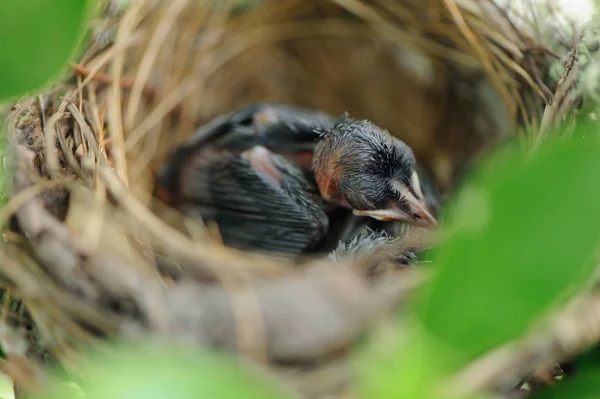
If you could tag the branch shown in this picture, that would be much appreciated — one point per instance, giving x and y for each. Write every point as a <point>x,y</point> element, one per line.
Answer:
<point>571,331</point>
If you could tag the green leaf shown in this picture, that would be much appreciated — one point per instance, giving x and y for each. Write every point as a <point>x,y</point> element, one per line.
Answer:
<point>411,368</point>
<point>589,359</point>
<point>389,369</point>
<point>524,232</point>
<point>4,172</point>
<point>7,388</point>
<point>160,371</point>
<point>584,385</point>
<point>38,39</point>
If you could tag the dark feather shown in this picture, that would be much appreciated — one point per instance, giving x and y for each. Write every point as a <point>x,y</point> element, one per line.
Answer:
<point>251,211</point>
<point>366,241</point>
<point>368,159</point>
<point>290,129</point>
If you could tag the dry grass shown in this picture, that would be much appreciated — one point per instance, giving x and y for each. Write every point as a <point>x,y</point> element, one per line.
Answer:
<point>450,77</point>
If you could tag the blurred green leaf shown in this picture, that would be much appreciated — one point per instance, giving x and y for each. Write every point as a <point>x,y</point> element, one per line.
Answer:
<point>4,173</point>
<point>584,385</point>
<point>523,233</point>
<point>38,38</point>
<point>149,371</point>
<point>7,388</point>
<point>589,359</point>
<point>412,368</point>
<point>389,369</point>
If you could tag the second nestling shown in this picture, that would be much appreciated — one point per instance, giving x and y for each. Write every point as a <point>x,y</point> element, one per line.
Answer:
<point>269,175</point>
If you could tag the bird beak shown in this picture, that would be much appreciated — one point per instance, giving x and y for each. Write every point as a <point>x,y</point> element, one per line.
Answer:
<point>418,216</point>
<point>417,213</point>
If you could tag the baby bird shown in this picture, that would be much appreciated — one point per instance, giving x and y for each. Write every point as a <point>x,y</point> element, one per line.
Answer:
<point>368,240</point>
<point>258,200</point>
<point>360,166</point>
<point>262,173</point>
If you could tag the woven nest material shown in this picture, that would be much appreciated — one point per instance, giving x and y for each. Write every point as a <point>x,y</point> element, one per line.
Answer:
<point>450,77</point>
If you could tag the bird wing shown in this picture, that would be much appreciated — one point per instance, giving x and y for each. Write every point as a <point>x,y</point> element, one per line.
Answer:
<point>277,127</point>
<point>250,210</point>
<point>290,131</point>
<point>268,124</point>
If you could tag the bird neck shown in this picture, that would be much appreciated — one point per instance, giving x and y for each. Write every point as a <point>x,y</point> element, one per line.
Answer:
<point>328,171</point>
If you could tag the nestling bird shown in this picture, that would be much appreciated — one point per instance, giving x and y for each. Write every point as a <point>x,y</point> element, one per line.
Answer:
<point>258,199</point>
<point>289,131</point>
<point>360,166</point>
<point>349,163</point>
<point>367,240</point>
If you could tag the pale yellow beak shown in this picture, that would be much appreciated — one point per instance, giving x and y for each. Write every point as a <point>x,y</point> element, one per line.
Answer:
<point>419,215</point>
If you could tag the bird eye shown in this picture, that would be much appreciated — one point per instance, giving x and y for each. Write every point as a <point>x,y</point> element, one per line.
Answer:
<point>377,197</point>
<point>402,202</point>
<point>366,192</point>
<point>379,202</point>
<point>366,200</point>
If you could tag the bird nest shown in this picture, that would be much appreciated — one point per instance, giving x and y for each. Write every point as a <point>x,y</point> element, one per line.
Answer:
<point>91,253</point>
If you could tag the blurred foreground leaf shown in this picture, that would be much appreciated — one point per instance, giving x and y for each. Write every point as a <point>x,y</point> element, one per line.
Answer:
<point>7,389</point>
<point>409,369</point>
<point>584,385</point>
<point>523,233</point>
<point>38,38</point>
<point>4,173</point>
<point>160,371</point>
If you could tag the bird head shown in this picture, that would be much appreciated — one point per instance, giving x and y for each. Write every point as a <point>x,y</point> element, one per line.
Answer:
<point>361,166</point>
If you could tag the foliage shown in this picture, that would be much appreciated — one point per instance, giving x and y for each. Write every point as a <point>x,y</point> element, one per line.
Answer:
<point>509,258</point>
<point>523,236</point>
<point>43,36</point>
<point>582,386</point>
<point>517,245</point>
<point>4,189</point>
<point>39,38</point>
<point>155,370</point>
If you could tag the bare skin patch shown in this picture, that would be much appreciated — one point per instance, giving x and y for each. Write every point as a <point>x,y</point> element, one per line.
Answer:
<point>266,116</point>
<point>262,162</point>
<point>328,175</point>
<point>302,159</point>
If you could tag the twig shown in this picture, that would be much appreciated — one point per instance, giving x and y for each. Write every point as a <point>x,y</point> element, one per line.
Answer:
<point>147,62</point>
<point>481,52</point>
<point>246,308</point>
<point>202,256</point>
<point>20,199</point>
<point>174,241</point>
<point>103,58</point>
<point>518,69</point>
<point>70,158</point>
<point>87,133</point>
<point>571,331</point>
<point>548,95</point>
<point>50,151</point>
<point>510,22</point>
<point>551,114</point>
<point>541,48</point>
<point>25,374</point>
<point>115,121</point>
<point>100,77</point>
<point>42,110</point>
